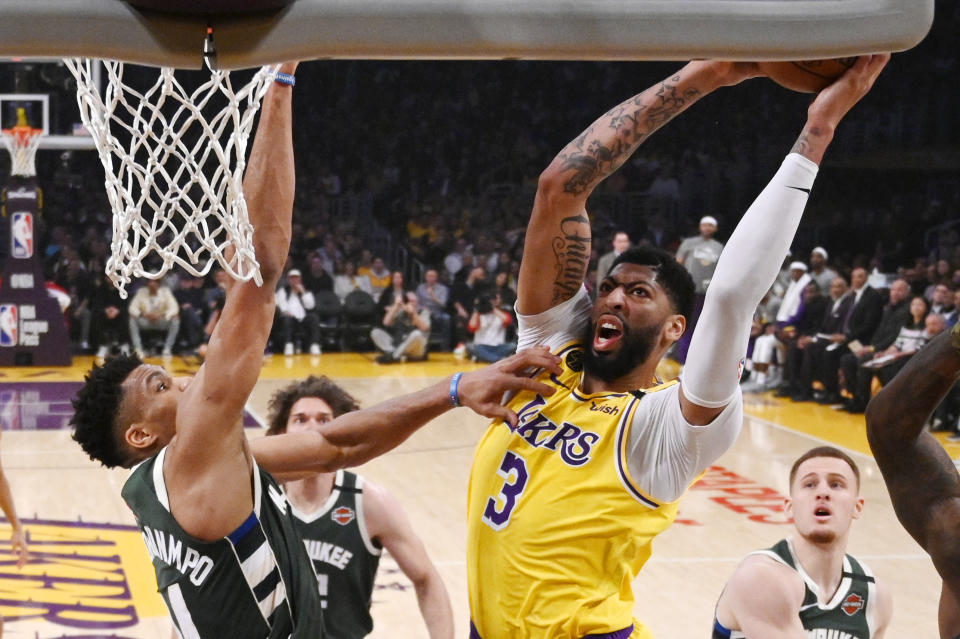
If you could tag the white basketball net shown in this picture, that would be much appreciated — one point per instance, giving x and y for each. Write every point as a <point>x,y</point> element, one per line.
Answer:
<point>175,181</point>
<point>22,143</point>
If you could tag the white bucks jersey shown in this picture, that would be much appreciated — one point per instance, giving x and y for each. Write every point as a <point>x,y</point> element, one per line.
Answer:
<point>255,583</point>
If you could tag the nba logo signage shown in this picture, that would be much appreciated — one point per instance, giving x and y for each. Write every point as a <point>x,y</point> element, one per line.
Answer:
<point>8,325</point>
<point>21,226</point>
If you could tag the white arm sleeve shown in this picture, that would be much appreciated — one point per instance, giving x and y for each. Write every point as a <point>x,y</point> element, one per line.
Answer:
<point>747,268</point>
<point>665,452</point>
<point>557,325</point>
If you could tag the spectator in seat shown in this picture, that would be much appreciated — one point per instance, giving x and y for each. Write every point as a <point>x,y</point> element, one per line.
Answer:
<point>769,356</point>
<point>807,351</point>
<point>699,255</point>
<point>189,295</point>
<point>462,294</point>
<point>396,290</point>
<point>317,278</point>
<point>108,313</point>
<point>294,305</point>
<point>348,280</point>
<point>405,331</point>
<point>379,276</point>
<point>489,324</point>
<point>433,295</point>
<point>896,315</point>
<point>793,296</point>
<point>951,316</point>
<point>941,300</point>
<point>620,243</point>
<point>859,324</point>
<point>154,308</point>
<point>886,364</point>
<point>819,271</point>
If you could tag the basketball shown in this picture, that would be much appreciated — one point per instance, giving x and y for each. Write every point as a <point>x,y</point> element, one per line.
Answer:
<point>807,76</point>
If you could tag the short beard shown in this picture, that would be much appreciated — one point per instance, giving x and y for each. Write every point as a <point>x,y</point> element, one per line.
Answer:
<point>635,348</point>
<point>821,537</point>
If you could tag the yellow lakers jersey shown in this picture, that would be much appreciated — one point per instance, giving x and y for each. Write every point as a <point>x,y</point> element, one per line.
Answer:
<point>556,528</point>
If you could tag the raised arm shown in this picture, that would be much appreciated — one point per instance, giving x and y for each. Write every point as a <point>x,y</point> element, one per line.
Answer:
<point>208,458</point>
<point>921,478</point>
<point>764,233</point>
<point>387,523</point>
<point>557,244</point>
<point>217,394</point>
<point>358,436</point>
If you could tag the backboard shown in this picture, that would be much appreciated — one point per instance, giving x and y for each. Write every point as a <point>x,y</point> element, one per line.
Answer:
<point>47,91</point>
<point>458,29</point>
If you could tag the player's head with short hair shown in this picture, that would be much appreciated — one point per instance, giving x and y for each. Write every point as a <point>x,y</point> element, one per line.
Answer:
<point>322,387</point>
<point>675,280</point>
<point>641,309</point>
<point>824,496</point>
<point>824,451</point>
<point>99,418</point>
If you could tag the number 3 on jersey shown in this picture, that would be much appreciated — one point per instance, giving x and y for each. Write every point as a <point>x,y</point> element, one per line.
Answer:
<point>513,469</point>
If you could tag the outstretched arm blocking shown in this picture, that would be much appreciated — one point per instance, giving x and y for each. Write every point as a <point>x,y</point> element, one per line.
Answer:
<point>236,345</point>
<point>358,436</point>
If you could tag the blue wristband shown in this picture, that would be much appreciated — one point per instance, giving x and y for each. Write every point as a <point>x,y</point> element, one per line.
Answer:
<point>454,383</point>
<point>284,78</point>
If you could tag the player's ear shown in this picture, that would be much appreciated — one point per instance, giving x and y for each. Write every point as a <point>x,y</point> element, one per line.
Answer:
<point>139,436</point>
<point>674,327</point>
<point>858,508</point>
<point>788,507</point>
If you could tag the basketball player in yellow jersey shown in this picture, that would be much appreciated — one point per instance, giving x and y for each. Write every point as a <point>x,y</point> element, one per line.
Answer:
<point>563,506</point>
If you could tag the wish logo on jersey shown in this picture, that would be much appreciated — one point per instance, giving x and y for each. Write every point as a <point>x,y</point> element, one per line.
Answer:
<point>22,235</point>
<point>8,325</point>
<point>574,443</point>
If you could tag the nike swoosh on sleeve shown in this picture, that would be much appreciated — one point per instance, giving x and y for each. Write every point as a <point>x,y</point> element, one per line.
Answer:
<point>800,188</point>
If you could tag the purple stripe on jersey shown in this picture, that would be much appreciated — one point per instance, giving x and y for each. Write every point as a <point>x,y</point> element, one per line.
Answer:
<point>617,634</point>
<point>622,431</point>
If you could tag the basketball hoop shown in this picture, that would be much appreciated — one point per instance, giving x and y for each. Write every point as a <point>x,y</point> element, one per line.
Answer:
<point>174,161</point>
<point>22,143</point>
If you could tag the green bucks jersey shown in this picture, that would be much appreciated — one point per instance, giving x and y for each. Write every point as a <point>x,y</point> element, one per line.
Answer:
<point>344,557</point>
<point>849,614</point>
<point>255,583</point>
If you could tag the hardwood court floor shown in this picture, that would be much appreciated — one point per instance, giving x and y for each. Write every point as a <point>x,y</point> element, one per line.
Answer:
<point>90,575</point>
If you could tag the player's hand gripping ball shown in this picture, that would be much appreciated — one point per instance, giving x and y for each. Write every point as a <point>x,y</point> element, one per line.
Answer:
<point>806,76</point>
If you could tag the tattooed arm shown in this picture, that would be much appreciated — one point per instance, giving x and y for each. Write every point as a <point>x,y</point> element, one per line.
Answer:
<point>556,251</point>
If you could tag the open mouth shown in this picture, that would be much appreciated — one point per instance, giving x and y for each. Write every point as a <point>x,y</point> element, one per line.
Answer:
<point>608,334</point>
<point>822,511</point>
